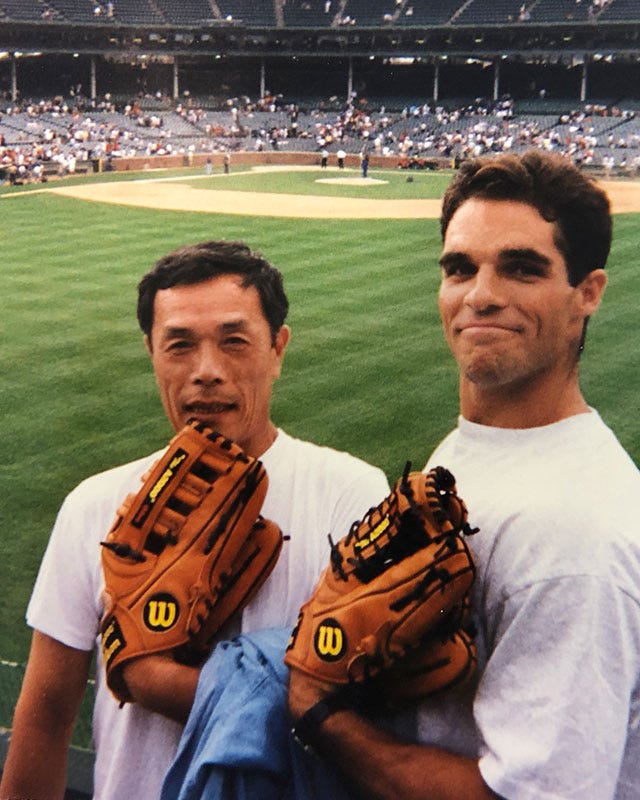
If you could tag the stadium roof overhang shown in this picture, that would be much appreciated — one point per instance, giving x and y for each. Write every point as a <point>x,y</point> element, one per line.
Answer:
<point>217,38</point>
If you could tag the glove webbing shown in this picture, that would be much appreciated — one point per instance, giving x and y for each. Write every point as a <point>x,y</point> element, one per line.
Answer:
<point>178,509</point>
<point>410,536</point>
<point>251,481</point>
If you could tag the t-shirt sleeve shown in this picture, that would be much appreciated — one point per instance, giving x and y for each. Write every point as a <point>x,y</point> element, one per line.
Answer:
<point>553,704</point>
<point>64,603</point>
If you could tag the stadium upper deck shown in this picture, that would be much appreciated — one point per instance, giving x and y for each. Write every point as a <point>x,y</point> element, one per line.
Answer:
<point>320,13</point>
<point>586,49</point>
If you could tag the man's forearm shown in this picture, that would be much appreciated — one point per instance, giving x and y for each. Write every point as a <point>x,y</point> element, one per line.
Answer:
<point>377,764</point>
<point>384,768</point>
<point>45,715</point>
<point>161,685</point>
<point>36,765</point>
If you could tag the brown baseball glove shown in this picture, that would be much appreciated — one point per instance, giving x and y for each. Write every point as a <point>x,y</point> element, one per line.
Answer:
<point>184,553</point>
<point>393,585</point>
<point>444,659</point>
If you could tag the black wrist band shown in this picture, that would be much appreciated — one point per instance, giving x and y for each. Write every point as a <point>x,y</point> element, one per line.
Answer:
<point>305,731</point>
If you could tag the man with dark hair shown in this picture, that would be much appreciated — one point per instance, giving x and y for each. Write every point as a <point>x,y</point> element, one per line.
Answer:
<point>201,262</point>
<point>213,317</point>
<point>554,709</point>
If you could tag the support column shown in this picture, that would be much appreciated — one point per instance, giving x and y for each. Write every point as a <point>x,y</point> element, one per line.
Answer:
<point>176,82</point>
<point>436,80</point>
<point>92,79</point>
<point>350,80</point>
<point>263,80</point>
<point>583,81</point>
<point>14,77</point>
<point>496,79</point>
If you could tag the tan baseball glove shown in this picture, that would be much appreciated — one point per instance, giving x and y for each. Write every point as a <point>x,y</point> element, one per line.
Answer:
<point>184,553</point>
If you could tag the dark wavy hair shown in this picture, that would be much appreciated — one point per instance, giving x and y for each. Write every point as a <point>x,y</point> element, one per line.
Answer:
<point>200,262</point>
<point>556,188</point>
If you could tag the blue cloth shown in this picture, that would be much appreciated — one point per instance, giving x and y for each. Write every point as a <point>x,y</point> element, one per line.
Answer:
<point>237,744</point>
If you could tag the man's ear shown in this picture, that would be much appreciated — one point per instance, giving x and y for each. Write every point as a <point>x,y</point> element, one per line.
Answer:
<point>282,340</point>
<point>279,346</point>
<point>591,289</point>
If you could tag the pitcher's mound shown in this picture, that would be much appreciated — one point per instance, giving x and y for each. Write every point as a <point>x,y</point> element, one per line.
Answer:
<point>352,181</point>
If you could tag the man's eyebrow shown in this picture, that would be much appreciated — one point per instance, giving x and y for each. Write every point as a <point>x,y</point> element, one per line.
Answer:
<point>526,254</point>
<point>234,325</point>
<point>456,258</point>
<point>175,332</point>
<point>452,259</point>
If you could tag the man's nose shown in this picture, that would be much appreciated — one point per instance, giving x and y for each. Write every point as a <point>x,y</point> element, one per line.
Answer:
<point>485,291</point>
<point>209,365</point>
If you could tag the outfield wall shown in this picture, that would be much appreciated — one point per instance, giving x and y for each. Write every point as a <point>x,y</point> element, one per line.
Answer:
<point>264,158</point>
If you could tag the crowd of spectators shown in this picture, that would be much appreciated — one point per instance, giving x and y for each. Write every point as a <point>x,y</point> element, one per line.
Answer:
<point>59,137</point>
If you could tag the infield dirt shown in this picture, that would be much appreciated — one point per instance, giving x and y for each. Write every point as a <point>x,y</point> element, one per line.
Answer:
<point>171,195</point>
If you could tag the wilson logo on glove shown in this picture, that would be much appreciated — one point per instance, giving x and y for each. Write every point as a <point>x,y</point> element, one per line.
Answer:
<point>112,640</point>
<point>156,490</point>
<point>375,534</point>
<point>161,612</point>
<point>330,641</point>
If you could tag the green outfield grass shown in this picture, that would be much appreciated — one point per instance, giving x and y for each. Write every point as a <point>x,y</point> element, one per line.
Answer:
<point>384,184</point>
<point>367,369</point>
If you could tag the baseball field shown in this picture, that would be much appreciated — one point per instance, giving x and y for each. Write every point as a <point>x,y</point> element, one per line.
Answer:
<point>367,369</point>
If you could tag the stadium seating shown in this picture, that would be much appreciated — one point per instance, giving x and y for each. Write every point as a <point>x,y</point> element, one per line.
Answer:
<point>186,12</point>
<point>496,12</point>
<point>138,12</point>
<point>365,13</point>
<point>75,10</point>
<point>561,11</point>
<point>623,10</point>
<point>428,12</point>
<point>249,12</point>
<point>27,10</point>
<point>309,13</point>
<point>322,13</point>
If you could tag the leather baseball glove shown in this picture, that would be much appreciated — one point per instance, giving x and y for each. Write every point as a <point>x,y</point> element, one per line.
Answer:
<point>393,586</point>
<point>442,660</point>
<point>184,553</point>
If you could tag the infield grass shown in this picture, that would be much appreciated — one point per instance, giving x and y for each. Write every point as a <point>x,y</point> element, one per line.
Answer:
<point>367,369</point>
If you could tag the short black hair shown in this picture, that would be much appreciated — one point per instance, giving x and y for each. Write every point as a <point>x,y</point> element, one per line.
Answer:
<point>556,188</point>
<point>200,262</point>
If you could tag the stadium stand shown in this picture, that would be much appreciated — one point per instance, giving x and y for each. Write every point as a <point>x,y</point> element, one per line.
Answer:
<point>498,12</point>
<point>76,10</point>
<point>563,11</point>
<point>308,13</point>
<point>322,13</point>
<point>430,12</point>
<point>26,10</point>
<point>138,12</point>
<point>621,10</point>
<point>365,14</point>
<point>248,12</point>
<point>186,12</point>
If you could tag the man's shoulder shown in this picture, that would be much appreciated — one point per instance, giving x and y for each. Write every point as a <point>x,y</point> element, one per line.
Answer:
<point>115,480</point>
<point>323,456</point>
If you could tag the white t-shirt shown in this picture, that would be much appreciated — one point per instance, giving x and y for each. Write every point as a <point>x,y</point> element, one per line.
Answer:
<point>555,712</point>
<point>313,491</point>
